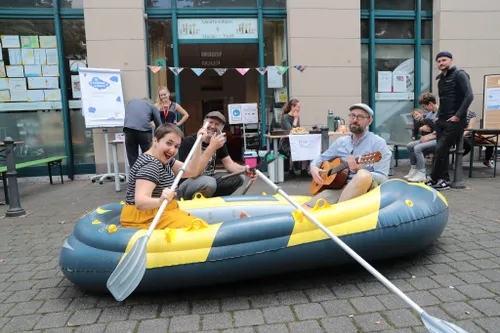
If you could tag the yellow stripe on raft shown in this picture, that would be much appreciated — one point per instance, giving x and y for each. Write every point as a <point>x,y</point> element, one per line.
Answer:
<point>349,217</point>
<point>172,247</point>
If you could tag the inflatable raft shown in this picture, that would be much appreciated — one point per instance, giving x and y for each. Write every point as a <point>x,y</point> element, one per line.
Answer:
<point>395,219</point>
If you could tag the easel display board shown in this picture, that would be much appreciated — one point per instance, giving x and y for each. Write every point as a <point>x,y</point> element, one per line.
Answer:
<point>244,113</point>
<point>102,97</point>
<point>491,102</point>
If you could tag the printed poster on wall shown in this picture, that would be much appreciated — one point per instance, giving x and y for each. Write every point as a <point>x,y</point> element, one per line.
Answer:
<point>220,28</point>
<point>102,97</point>
<point>75,86</point>
<point>384,81</point>
<point>493,99</point>
<point>274,77</point>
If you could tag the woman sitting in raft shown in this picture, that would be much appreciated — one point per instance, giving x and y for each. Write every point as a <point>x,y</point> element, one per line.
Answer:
<point>152,176</point>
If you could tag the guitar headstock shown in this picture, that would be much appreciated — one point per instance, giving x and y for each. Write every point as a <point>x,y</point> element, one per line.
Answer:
<point>370,159</point>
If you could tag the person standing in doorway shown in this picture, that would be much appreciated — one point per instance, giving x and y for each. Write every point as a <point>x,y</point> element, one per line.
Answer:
<point>137,127</point>
<point>455,98</point>
<point>169,109</point>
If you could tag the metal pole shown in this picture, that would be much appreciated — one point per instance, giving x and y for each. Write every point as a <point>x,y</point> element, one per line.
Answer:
<point>458,181</point>
<point>262,80</point>
<point>15,208</point>
<point>325,139</point>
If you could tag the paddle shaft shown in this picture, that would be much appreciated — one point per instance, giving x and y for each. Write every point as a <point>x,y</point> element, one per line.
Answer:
<point>344,246</point>
<point>174,185</point>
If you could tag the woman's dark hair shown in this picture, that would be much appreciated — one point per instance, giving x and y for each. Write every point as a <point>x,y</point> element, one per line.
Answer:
<point>427,98</point>
<point>288,107</point>
<point>164,129</point>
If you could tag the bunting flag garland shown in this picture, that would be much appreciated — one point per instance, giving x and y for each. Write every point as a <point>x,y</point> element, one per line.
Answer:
<point>198,71</point>
<point>242,71</point>
<point>155,69</point>
<point>176,70</point>
<point>262,70</point>
<point>220,71</point>
<point>282,69</point>
<point>300,68</point>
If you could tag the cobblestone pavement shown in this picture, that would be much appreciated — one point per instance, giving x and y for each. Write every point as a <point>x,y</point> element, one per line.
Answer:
<point>457,279</point>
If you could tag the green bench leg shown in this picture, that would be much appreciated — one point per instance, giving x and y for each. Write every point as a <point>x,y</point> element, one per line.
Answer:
<point>5,188</point>
<point>50,165</point>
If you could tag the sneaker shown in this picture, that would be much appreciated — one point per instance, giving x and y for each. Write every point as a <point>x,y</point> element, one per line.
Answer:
<point>418,178</point>
<point>442,185</point>
<point>411,174</point>
<point>489,164</point>
<point>430,182</point>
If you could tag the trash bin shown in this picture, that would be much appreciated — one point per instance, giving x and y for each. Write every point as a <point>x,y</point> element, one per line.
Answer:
<point>280,177</point>
<point>250,158</point>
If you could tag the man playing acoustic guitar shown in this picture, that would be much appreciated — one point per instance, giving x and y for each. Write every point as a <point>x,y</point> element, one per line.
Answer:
<point>360,178</point>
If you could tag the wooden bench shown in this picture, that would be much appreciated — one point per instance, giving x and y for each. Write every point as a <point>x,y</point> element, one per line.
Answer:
<point>51,161</point>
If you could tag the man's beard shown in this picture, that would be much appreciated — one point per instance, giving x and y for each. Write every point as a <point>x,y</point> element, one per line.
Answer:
<point>356,130</point>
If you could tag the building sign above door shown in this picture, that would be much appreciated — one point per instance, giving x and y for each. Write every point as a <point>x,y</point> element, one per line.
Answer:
<point>237,28</point>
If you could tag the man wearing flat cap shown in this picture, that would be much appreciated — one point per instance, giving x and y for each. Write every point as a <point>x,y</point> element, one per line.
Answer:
<point>455,98</point>
<point>213,145</point>
<point>360,178</point>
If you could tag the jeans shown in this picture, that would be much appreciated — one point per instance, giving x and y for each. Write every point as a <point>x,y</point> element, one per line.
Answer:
<point>135,139</point>
<point>416,150</point>
<point>447,133</point>
<point>209,186</point>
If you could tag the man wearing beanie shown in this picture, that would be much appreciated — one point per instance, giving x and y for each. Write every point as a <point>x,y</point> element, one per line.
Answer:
<point>455,98</point>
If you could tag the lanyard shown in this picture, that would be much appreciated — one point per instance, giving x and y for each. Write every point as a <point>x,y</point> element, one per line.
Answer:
<point>166,110</point>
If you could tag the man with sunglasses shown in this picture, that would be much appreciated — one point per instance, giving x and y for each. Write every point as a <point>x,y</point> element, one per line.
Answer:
<point>360,179</point>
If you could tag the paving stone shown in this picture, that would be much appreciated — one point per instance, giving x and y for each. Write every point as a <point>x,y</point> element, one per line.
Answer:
<point>47,283</point>
<point>217,321</point>
<point>472,277</point>
<point>402,318</point>
<point>277,328</point>
<point>22,296</point>
<point>51,320</point>
<point>82,303</point>
<point>144,311</point>
<point>447,280</point>
<point>338,325</point>
<point>5,285</point>
<point>369,322</point>
<point>367,304</point>
<point>52,273</point>
<point>489,307</point>
<point>248,318</point>
<point>3,321</point>
<point>292,297</point>
<point>23,308</point>
<point>480,254</point>
<point>440,268</point>
<point>372,288</point>
<point>235,303</point>
<point>437,312</point>
<point>347,291</point>
<point>21,323</point>
<point>58,330</point>
<point>423,298</point>
<point>206,306</point>
<point>469,326</point>
<point>419,271</point>
<point>461,310</point>
<point>185,323</point>
<point>5,308</point>
<point>54,305</point>
<point>305,327</point>
<point>463,266</point>
<point>50,293</point>
<point>94,328</point>
<point>320,294</point>
<point>121,327</point>
<point>492,274</point>
<point>475,291</point>
<point>338,308</point>
<point>175,309</point>
<point>279,314</point>
<point>23,276</point>
<point>72,292</point>
<point>22,285</point>
<point>159,325</point>
<point>489,324</point>
<point>240,330</point>
<point>493,287</point>
<point>264,300</point>
<point>84,317</point>
<point>423,283</point>
<point>119,313</point>
<point>485,264</point>
<point>448,295</point>
<point>4,295</point>
<point>309,311</point>
<point>459,256</point>
<point>403,285</point>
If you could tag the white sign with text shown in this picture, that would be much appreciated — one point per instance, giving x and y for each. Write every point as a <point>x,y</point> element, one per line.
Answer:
<point>246,113</point>
<point>305,147</point>
<point>220,28</point>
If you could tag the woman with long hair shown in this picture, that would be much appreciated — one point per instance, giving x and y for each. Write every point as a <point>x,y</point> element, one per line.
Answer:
<point>169,109</point>
<point>290,119</point>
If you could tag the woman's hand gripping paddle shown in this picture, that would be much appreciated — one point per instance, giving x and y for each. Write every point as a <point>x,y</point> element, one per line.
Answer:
<point>434,325</point>
<point>130,271</point>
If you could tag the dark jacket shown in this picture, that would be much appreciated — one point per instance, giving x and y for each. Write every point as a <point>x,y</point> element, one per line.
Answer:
<point>455,94</point>
<point>422,123</point>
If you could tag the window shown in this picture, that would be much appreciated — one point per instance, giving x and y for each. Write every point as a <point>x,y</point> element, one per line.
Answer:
<point>427,5</point>
<point>394,29</point>
<point>216,3</point>
<point>427,29</point>
<point>395,5</point>
<point>365,4</point>
<point>72,3</point>
<point>27,3</point>
<point>159,3</point>
<point>274,3</point>
<point>365,28</point>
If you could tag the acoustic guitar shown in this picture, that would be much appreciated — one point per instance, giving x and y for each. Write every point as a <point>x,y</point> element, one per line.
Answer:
<point>332,175</point>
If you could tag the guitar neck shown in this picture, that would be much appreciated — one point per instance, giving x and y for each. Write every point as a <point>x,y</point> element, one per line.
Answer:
<point>338,168</point>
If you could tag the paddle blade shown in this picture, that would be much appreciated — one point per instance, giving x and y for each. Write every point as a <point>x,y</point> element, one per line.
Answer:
<point>435,325</point>
<point>129,272</point>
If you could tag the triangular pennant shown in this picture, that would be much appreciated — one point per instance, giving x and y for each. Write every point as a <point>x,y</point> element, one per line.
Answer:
<point>282,69</point>
<point>161,62</point>
<point>220,71</point>
<point>262,70</point>
<point>300,68</point>
<point>176,70</point>
<point>198,71</point>
<point>242,71</point>
<point>155,69</point>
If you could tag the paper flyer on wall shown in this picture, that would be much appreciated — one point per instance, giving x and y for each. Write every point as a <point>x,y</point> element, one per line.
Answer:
<point>274,77</point>
<point>52,95</point>
<point>384,81</point>
<point>1,53</point>
<point>16,84</point>
<point>75,64</point>
<point>493,99</point>
<point>52,57</point>
<point>29,42</point>
<point>4,96</point>
<point>399,82</point>
<point>15,57</point>
<point>75,86</point>
<point>36,96</point>
<point>19,95</point>
<point>3,72</point>
<point>48,42</point>
<point>43,83</point>
<point>40,56</point>
<point>102,96</point>
<point>4,84</point>
<point>50,70</point>
<point>10,41</point>
<point>32,70</point>
<point>15,71</point>
<point>28,56</point>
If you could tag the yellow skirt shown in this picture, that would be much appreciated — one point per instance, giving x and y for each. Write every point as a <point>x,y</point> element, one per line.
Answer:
<point>172,217</point>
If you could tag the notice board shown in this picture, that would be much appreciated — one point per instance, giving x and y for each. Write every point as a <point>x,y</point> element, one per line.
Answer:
<point>491,101</point>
